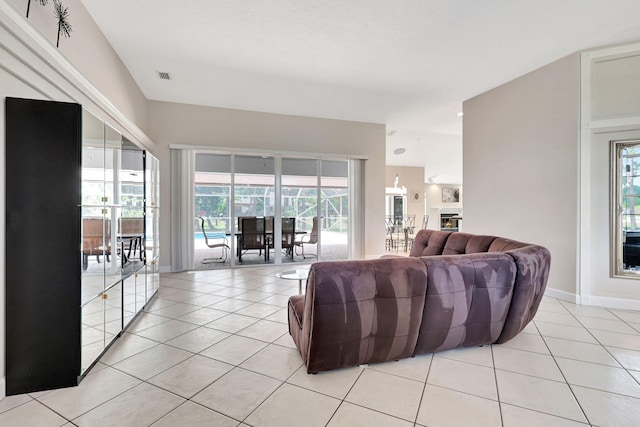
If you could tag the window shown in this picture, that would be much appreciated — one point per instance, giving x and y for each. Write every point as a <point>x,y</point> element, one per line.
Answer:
<point>625,207</point>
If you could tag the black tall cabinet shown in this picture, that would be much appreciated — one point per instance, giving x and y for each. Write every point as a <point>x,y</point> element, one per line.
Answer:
<point>82,215</point>
<point>43,161</point>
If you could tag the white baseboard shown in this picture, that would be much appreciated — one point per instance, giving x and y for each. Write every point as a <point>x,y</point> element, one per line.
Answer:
<point>609,302</point>
<point>562,295</point>
<point>165,269</point>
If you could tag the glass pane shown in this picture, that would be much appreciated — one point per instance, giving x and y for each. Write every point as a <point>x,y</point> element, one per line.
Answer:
<point>254,198</point>
<point>300,201</point>
<point>627,207</point>
<point>212,202</point>
<point>334,210</point>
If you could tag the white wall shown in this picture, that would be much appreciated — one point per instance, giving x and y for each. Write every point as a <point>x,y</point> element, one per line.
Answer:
<point>521,148</point>
<point>172,123</point>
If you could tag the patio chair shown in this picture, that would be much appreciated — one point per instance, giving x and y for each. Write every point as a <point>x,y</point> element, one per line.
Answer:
<point>96,239</point>
<point>214,241</point>
<point>288,235</point>
<point>253,237</point>
<point>308,239</point>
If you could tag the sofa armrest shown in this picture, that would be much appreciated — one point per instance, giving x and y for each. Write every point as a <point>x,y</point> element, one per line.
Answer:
<point>533,263</point>
<point>360,312</point>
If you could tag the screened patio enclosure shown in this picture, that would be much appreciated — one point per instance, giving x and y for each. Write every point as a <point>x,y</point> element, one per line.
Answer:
<point>286,196</point>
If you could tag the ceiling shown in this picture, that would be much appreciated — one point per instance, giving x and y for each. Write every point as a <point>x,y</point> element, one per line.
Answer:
<point>406,63</point>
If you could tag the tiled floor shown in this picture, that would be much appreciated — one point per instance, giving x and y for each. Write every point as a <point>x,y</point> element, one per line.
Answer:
<point>213,349</point>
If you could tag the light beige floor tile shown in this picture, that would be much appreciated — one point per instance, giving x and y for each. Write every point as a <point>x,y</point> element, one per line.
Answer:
<point>254,296</point>
<point>258,310</point>
<point>274,361</point>
<point>441,406</point>
<point>629,359</point>
<point>231,303</point>
<point>145,320</point>
<point>527,342</point>
<point>291,406</point>
<point>608,409</point>
<point>552,308</point>
<point>607,325</point>
<point>277,300</point>
<point>158,303</point>
<point>264,330</point>
<point>237,393</point>
<point>286,341</point>
<point>557,318</point>
<point>10,402</point>
<point>413,368</point>
<point>153,361</point>
<point>336,383</point>
<point>281,316</point>
<point>513,416</point>
<point>349,415</point>
<point>234,349</point>
<point>530,329</point>
<point>126,346</point>
<point>581,311</point>
<point>628,315</point>
<point>198,339</point>
<point>606,378</point>
<point>202,316</point>
<point>190,414</point>
<point>191,376</point>
<point>31,414</point>
<point>93,391</point>
<point>183,295</point>
<point>586,352</point>
<point>464,377</point>
<point>167,330</point>
<point>175,310</point>
<point>614,339</point>
<point>390,394</point>
<point>565,332</point>
<point>476,355</point>
<point>206,300</point>
<point>538,394</point>
<point>140,406</point>
<point>232,323</point>
<point>525,362</point>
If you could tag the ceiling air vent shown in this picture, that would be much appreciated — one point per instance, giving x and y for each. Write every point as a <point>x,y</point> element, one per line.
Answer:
<point>164,75</point>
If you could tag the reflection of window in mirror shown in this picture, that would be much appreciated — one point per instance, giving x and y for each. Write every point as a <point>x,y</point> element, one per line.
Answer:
<point>625,207</point>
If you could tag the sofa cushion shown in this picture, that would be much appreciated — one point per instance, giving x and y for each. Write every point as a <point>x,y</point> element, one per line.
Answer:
<point>479,244</point>
<point>429,242</point>
<point>467,300</point>
<point>364,311</point>
<point>500,244</point>
<point>456,244</point>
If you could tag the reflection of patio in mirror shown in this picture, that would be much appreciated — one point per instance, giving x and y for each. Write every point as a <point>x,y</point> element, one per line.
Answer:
<point>334,247</point>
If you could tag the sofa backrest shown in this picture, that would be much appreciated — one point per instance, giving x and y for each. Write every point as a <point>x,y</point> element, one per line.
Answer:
<point>434,242</point>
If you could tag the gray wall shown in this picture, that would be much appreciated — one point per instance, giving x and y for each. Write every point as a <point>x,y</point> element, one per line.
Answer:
<point>520,145</point>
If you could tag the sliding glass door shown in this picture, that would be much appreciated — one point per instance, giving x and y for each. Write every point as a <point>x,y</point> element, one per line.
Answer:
<point>268,210</point>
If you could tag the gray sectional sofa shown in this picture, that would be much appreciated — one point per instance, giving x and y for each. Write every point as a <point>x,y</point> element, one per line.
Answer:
<point>454,290</point>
